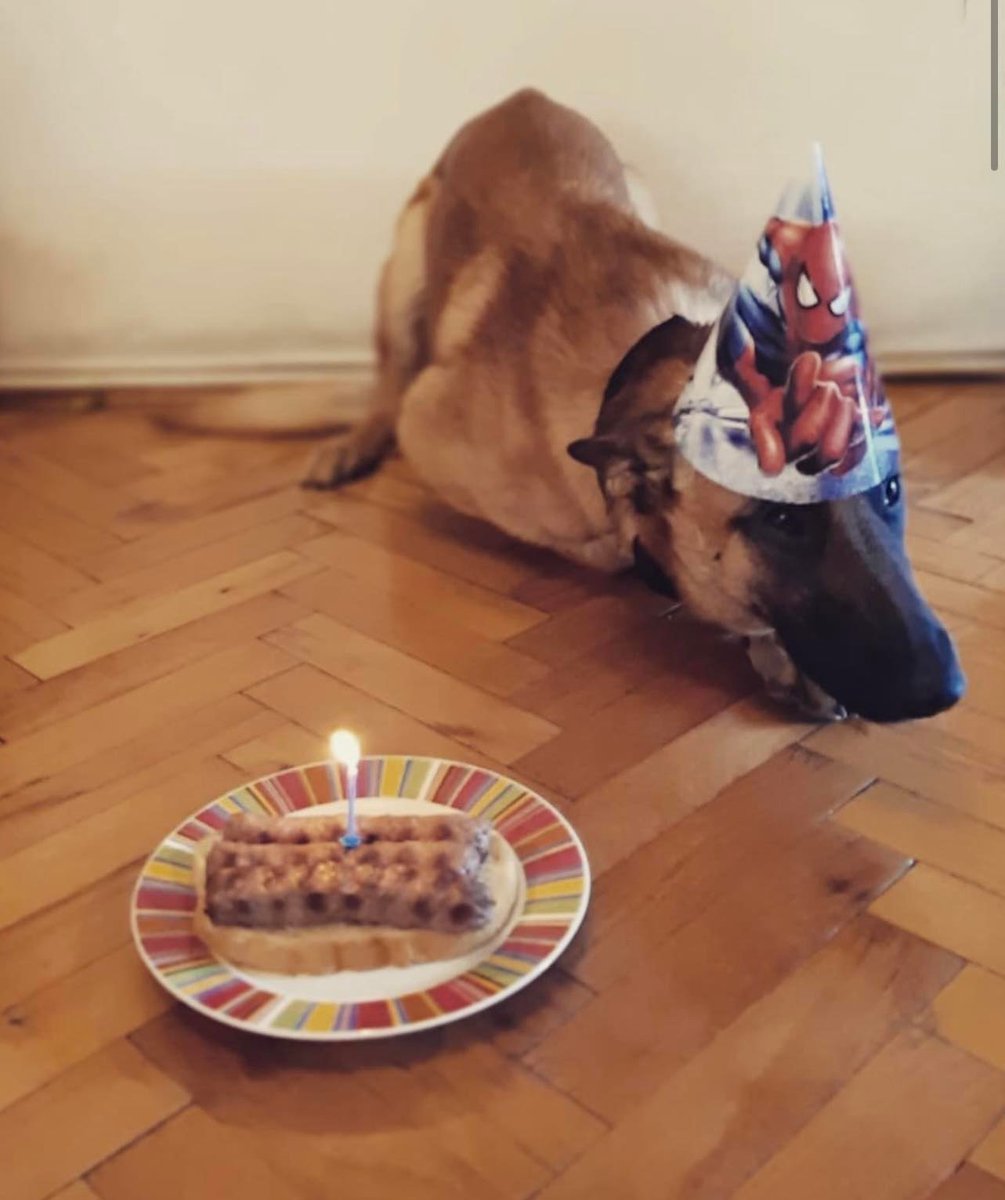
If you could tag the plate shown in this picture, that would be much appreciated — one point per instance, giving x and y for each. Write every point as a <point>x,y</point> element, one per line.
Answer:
<point>354,1005</point>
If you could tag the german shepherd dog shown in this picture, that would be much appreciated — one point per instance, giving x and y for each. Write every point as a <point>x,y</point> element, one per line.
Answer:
<point>527,280</point>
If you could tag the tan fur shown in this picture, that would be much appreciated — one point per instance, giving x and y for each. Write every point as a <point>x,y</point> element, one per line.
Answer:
<point>523,269</point>
<point>641,199</point>
<point>520,274</point>
<point>539,277</point>
<point>273,410</point>
<point>715,570</point>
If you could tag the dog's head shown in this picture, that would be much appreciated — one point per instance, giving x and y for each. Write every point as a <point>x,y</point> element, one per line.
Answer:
<point>831,580</point>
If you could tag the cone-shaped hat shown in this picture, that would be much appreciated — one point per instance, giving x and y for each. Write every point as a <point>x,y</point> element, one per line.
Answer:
<point>785,403</point>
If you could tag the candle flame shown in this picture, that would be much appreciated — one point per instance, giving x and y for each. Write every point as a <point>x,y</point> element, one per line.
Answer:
<point>344,747</point>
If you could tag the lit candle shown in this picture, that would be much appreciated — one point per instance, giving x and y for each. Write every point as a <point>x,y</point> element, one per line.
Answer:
<point>344,748</point>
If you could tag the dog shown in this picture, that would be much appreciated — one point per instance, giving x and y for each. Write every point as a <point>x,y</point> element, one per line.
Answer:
<point>529,286</point>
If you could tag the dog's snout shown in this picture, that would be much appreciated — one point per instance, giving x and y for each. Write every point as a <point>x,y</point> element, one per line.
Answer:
<point>913,705</point>
<point>932,683</point>
<point>885,663</point>
<point>940,683</point>
<point>860,629</point>
<point>932,703</point>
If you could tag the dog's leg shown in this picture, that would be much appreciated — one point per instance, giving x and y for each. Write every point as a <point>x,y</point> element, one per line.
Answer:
<point>353,454</point>
<point>604,553</point>
<point>401,353</point>
<point>785,683</point>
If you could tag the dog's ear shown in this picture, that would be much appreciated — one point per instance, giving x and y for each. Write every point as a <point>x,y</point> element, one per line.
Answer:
<point>634,471</point>
<point>675,341</point>
<point>596,452</point>
<point>632,446</point>
<point>645,385</point>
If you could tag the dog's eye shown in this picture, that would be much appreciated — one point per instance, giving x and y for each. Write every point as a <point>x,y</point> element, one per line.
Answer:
<point>786,519</point>
<point>892,491</point>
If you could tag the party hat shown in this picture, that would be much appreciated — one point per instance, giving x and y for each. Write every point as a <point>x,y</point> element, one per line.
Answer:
<point>785,403</point>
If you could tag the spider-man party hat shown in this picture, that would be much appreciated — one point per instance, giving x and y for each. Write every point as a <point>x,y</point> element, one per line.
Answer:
<point>785,402</point>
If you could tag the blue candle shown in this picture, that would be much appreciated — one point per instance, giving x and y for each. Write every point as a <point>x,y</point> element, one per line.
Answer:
<point>344,748</point>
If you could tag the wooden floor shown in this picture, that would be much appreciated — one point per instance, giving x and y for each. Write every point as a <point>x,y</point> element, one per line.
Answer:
<point>792,980</point>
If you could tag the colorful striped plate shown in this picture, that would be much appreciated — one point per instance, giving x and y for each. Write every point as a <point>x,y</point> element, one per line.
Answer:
<point>352,1005</point>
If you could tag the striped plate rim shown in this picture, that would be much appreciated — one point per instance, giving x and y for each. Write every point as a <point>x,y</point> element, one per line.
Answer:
<point>550,851</point>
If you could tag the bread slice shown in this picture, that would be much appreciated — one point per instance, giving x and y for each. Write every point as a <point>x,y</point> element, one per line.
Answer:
<point>320,950</point>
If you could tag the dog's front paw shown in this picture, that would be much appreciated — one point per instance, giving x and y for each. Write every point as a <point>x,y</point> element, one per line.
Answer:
<point>334,463</point>
<point>786,684</point>
<point>352,454</point>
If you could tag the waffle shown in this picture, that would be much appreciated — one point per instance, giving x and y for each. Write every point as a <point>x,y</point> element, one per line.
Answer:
<point>448,827</point>
<point>409,873</point>
<point>283,895</point>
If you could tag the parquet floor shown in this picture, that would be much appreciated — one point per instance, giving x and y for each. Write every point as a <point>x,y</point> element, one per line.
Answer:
<point>792,981</point>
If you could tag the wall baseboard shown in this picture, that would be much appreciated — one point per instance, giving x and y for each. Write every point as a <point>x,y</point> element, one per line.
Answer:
<point>182,370</point>
<point>233,370</point>
<point>909,365</point>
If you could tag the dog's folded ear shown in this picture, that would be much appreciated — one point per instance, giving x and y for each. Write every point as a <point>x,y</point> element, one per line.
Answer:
<point>596,452</point>
<point>675,341</point>
<point>634,422</point>
<point>631,449</point>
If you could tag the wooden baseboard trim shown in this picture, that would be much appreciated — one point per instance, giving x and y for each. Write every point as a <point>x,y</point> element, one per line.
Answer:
<point>179,371</point>
<point>220,371</point>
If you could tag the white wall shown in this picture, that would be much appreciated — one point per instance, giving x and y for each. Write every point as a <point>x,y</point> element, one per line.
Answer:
<point>190,184</point>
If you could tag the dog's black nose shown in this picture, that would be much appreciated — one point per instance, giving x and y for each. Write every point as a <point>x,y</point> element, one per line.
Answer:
<point>949,690</point>
<point>935,684</point>
<point>929,705</point>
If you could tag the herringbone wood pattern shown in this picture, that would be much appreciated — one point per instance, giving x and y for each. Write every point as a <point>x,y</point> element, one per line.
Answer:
<point>792,980</point>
